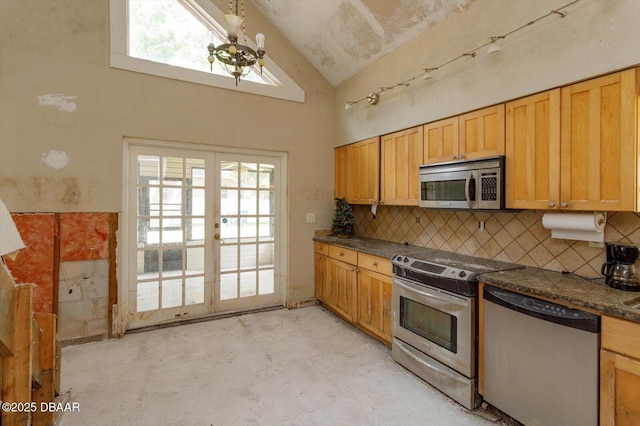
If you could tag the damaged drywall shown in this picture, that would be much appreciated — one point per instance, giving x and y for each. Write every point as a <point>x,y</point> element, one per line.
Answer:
<point>56,159</point>
<point>59,101</point>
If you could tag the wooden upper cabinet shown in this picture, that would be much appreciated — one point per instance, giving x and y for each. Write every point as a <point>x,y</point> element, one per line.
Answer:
<point>482,133</point>
<point>533,152</point>
<point>598,143</point>
<point>401,156</point>
<point>342,176</point>
<point>440,141</point>
<point>365,172</point>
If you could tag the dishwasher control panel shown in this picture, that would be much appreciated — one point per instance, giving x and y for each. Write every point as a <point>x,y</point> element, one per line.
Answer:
<point>542,309</point>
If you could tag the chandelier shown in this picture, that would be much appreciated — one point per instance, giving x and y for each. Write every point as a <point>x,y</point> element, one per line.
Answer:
<point>237,59</point>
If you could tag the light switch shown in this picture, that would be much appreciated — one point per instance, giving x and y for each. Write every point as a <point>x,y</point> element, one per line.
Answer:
<point>311,218</point>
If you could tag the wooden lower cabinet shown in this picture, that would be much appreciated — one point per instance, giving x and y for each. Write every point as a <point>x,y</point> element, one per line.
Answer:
<point>620,373</point>
<point>374,304</point>
<point>356,286</point>
<point>342,281</point>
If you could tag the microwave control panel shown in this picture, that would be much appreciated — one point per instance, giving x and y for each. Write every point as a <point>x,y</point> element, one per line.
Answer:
<point>489,186</point>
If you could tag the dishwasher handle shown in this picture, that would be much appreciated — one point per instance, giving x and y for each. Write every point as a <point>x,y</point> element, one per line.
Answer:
<point>542,309</point>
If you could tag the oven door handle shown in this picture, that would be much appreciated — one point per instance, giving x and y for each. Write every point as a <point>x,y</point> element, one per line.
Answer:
<point>467,194</point>
<point>447,298</point>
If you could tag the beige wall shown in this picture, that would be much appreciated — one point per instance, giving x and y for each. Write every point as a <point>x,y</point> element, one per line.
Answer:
<point>62,47</point>
<point>597,36</point>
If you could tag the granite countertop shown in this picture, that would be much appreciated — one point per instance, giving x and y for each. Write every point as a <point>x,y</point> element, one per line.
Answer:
<point>563,288</point>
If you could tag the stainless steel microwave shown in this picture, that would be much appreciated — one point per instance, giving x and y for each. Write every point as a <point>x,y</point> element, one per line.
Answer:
<point>470,184</point>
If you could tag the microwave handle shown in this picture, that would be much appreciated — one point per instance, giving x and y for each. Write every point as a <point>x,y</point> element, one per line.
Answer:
<point>467,195</point>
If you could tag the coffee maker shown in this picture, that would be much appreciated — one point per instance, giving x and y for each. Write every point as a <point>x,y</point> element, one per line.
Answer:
<point>622,270</point>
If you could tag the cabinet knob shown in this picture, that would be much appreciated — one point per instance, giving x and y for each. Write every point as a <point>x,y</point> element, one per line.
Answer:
<point>461,157</point>
<point>564,204</point>
<point>375,263</point>
<point>552,204</point>
<point>454,157</point>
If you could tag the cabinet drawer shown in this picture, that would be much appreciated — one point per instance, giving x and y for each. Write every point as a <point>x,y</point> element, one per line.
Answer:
<point>321,248</point>
<point>344,255</point>
<point>621,336</point>
<point>375,263</point>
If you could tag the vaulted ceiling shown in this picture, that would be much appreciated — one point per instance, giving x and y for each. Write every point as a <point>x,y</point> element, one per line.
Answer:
<point>341,37</point>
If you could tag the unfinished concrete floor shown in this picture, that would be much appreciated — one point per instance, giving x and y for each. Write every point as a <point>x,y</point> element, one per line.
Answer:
<point>285,367</point>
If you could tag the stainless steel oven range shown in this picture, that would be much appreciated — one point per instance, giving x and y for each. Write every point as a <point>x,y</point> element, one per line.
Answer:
<point>435,323</point>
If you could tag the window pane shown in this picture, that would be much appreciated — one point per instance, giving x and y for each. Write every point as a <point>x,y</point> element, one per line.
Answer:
<point>196,199</point>
<point>265,252</point>
<point>172,201</point>
<point>195,231</point>
<point>267,228</point>
<point>229,229</point>
<point>267,176</point>
<point>248,228</point>
<point>195,170</point>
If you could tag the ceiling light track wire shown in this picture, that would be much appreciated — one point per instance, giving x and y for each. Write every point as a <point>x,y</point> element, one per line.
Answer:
<point>426,72</point>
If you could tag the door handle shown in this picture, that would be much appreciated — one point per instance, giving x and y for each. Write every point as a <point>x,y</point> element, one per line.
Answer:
<point>467,196</point>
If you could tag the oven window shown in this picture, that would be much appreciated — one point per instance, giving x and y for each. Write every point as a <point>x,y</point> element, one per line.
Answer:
<point>446,190</point>
<point>432,324</point>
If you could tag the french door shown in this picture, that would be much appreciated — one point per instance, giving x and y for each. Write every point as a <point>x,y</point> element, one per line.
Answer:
<point>203,234</point>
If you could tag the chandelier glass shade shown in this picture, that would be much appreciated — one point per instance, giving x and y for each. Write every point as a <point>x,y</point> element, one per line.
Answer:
<point>237,59</point>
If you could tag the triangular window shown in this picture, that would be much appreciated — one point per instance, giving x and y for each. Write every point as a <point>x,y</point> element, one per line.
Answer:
<point>170,37</point>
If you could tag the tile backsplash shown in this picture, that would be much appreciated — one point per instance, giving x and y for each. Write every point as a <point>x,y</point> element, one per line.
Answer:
<point>517,237</point>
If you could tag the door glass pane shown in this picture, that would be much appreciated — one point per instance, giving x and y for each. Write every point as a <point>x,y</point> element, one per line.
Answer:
<point>266,281</point>
<point>266,175</point>
<point>195,231</point>
<point>267,204</point>
<point>229,229</point>
<point>172,170</point>
<point>229,174</point>
<point>248,202</point>
<point>266,228</point>
<point>228,202</point>
<point>196,202</point>
<point>194,290</point>
<point>148,168</point>
<point>195,260</point>
<point>248,229</point>
<point>171,293</point>
<point>195,171</point>
<point>228,258</point>
<point>228,286</point>
<point>248,257</point>
<point>148,296</point>
<point>172,201</point>
<point>148,264</point>
<point>249,175</point>
<point>265,253</point>
<point>247,284</point>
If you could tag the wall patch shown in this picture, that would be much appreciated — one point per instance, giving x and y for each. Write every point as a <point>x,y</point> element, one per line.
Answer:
<point>56,159</point>
<point>58,100</point>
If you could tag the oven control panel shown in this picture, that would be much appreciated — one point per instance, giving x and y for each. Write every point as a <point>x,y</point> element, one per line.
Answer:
<point>432,269</point>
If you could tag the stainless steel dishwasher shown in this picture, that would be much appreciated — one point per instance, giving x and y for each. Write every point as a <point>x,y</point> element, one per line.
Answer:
<point>540,360</point>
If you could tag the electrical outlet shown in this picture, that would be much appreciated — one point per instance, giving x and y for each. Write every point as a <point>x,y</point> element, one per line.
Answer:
<point>596,244</point>
<point>311,218</point>
<point>417,219</point>
<point>481,225</point>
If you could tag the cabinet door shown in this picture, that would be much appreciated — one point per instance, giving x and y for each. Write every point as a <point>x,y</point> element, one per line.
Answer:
<point>533,152</point>
<point>320,278</point>
<point>598,144</point>
<point>619,390</point>
<point>440,141</point>
<point>342,289</point>
<point>482,133</point>
<point>400,167</point>
<point>374,303</point>
<point>365,171</point>
<point>342,175</point>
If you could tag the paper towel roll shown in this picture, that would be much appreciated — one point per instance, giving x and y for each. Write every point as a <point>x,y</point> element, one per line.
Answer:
<point>575,226</point>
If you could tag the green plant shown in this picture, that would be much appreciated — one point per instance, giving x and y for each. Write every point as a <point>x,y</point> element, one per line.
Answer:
<point>343,221</point>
